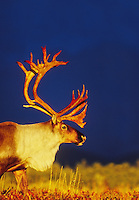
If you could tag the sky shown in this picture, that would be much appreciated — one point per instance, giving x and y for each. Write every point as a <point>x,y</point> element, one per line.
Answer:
<point>100,39</point>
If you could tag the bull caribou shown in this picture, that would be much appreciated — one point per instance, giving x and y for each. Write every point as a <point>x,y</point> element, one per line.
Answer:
<point>35,145</point>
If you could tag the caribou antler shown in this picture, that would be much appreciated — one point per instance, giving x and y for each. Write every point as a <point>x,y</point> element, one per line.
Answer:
<point>77,104</point>
<point>40,69</point>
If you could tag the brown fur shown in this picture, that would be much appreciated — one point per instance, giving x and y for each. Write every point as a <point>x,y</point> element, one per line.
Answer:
<point>7,146</point>
<point>7,132</point>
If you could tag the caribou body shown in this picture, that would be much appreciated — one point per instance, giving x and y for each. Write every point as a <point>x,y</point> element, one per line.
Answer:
<point>35,145</point>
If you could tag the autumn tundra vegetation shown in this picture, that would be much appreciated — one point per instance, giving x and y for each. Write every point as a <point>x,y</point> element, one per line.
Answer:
<point>96,181</point>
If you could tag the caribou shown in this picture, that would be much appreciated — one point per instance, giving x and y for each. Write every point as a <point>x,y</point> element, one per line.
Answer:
<point>35,145</point>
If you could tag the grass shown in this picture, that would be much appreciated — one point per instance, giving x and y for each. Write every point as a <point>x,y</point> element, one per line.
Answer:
<point>83,182</point>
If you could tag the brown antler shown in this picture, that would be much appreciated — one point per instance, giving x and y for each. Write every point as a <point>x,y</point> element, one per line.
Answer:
<point>41,69</point>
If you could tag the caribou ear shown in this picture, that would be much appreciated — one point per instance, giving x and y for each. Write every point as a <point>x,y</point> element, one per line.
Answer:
<point>54,119</point>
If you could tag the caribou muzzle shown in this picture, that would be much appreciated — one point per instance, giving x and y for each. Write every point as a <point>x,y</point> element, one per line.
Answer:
<point>81,139</point>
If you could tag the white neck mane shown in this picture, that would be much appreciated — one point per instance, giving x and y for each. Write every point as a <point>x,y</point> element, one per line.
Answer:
<point>37,147</point>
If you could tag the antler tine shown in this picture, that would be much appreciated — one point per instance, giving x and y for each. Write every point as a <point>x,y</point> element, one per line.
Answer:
<point>44,54</point>
<point>75,102</point>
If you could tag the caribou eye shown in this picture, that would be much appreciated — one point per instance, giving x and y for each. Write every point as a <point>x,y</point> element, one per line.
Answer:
<point>64,127</point>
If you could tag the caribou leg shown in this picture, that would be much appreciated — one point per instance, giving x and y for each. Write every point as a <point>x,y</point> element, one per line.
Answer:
<point>21,178</point>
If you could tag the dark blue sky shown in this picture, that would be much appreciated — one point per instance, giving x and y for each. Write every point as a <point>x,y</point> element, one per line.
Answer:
<point>100,39</point>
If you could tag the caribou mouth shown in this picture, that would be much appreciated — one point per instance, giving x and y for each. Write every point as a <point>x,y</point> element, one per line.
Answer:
<point>83,139</point>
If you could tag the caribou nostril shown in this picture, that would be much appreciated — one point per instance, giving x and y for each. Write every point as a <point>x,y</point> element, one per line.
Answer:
<point>83,138</point>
